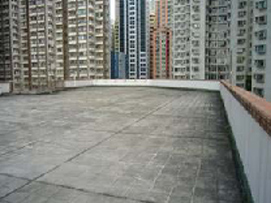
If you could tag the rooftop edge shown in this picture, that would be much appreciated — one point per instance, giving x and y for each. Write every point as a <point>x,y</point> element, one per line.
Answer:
<point>256,106</point>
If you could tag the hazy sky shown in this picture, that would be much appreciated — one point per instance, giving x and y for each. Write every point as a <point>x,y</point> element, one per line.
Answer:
<point>112,9</point>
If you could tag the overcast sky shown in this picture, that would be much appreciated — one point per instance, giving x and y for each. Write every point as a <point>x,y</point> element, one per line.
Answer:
<point>112,9</point>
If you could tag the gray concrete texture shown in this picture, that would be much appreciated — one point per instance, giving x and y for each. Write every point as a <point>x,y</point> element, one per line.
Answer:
<point>117,145</point>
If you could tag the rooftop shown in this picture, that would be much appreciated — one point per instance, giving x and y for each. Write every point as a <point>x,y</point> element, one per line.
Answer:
<point>117,145</point>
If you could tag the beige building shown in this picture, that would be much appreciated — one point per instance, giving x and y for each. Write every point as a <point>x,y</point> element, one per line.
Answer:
<point>188,46</point>
<point>30,31</point>
<point>37,31</point>
<point>46,41</point>
<point>217,60</point>
<point>88,40</point>
<point>161,41</point>
<point>10,68</point>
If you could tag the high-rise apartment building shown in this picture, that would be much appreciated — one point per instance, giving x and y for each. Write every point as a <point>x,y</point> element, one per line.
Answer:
<point>250,41</point>
<point>61,19</point>
<point>200,39</point>
<point>10,66</point>
<point>261,49</point>
<point>217,61</point>
<point>88,40</point>
<point>40,28</point>
<point>35,69</point>
<point>189,34</point>
<point>241,43</point>
<point>161,42</point>
<point>134,36</point>
<point>119,68</point>
<point>28,29</point>
<point>46,41</point>
<point>118,59</point>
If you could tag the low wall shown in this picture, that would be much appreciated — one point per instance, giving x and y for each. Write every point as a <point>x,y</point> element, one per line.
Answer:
<point>250,120</point>
<point>5,88</point>
<point>189,84</point>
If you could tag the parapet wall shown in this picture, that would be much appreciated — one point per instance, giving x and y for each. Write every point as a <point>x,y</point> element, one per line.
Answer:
<point>189,84</point>
<point>250,120</point>
<point>5,88</point>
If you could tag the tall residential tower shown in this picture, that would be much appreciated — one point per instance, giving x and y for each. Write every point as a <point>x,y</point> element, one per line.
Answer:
<point>161,42</point>
<point>10,60</point>
<point>250,46</point>
<point>134,36</point>
<point>47,41</point>
<point>28,55</point>
<point>261,49</point>
<point>189,34</point>
<point>88,40</point>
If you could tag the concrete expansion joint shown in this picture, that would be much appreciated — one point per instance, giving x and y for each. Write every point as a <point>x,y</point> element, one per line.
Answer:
<point>96,193</point>
<point>19,148</point>
<point>12,176</point>
<point>67,187</point>
<point>196,182</point>
<point>149,113</point>
<point>29,181</point>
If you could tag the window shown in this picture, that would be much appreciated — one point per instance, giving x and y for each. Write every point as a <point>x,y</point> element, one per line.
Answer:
<point>240,68</point>
<point>260,63</point>
<point>240,77</point>
<point>261,20</point>
<point>261,5</point>
<point>258,91</point>
<point>261,35</point>
<point>259,78</point>
<point>260,49</point>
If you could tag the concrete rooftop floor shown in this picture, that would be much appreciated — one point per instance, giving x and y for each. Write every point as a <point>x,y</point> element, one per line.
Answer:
<point>117,145</point>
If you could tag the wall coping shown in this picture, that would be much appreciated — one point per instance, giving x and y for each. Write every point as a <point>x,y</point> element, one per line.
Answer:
<point>256,106</point>
<point>185,84</point>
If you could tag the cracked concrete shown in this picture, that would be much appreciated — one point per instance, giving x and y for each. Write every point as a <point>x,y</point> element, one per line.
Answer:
<point>116,145</point>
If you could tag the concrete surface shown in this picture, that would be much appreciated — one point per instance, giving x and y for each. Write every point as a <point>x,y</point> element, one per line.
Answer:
<point>117,145</point>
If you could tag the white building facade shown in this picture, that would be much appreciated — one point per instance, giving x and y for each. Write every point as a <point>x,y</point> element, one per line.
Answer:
<point>241,43</point>
<point>261,49</point>
<point>250,46</point>
<point>188,48</point>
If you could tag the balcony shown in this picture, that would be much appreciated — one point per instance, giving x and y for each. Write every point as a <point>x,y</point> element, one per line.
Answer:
<point>150,141</point>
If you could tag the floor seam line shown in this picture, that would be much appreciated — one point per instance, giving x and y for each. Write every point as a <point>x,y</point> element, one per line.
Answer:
<point>20,148</point>
<point>92,192</point>
<point>66,187</point>
<point>196,181</point>
<point>149,113</point>
<point>28,183</point>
